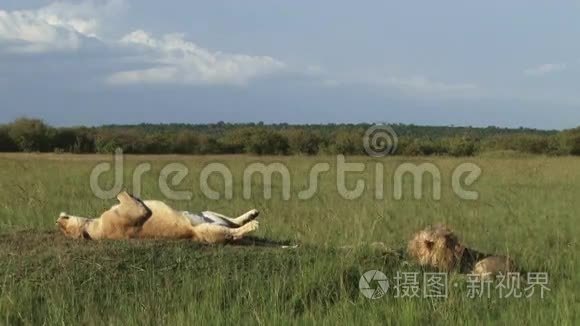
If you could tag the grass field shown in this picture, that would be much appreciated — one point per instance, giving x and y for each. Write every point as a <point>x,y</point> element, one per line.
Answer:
<point>528,207</point>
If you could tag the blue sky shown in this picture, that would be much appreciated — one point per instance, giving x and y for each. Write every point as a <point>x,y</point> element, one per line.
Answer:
<point>506,63</point>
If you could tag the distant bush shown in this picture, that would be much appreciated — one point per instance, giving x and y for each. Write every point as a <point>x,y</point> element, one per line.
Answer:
<point>571,139</point>
<point>7,144</point>
<point>525,143</point>
<point>348,142</point>
<point>73,140</point>
<point>575,146</point>
<point>422,147</point>
<point>263,141</point>
<point>29,135</point>
<point>303,141</point>
<point>186,142</point>
<point>462,146</point>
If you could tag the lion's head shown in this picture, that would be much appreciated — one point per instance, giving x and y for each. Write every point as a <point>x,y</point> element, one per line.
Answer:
<point>72,226</point>
<point>437,247</point>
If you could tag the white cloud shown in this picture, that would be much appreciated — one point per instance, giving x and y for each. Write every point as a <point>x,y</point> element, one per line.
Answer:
<point>545,69</point>
<point>410,85</point>
<point>179,61</point>
<point>156,75</point>
<point>68,26</point>
<point>28,31</point>
<point>56,27</point>
<point>422,84</point>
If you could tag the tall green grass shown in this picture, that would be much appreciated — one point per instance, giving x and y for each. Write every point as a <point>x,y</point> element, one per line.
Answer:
<point>528,207</point>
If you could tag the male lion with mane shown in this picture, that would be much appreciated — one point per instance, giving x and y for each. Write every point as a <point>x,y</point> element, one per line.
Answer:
<point>133,218</point>
<point>438,247</point>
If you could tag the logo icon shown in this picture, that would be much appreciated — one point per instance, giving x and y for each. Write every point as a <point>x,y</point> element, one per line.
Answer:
<point>373,284</point>
<point>380,140</point>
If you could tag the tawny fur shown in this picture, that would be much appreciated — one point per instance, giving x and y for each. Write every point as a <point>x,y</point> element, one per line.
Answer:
<point>494,265</point>
<point>133,218</point>
<point>438,247</point>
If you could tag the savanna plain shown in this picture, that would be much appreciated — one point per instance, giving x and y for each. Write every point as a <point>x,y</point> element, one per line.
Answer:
<point>528,208</point>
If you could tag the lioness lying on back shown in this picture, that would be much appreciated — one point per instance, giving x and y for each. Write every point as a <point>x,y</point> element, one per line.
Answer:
<point>133,218</point>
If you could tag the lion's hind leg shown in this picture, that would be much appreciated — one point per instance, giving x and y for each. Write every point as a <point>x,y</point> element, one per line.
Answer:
<point>238,221</point>
<point>215,233</point>
<point>247,217</point>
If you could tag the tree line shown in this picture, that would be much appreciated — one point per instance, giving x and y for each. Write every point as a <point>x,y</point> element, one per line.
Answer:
<point>34,135</point>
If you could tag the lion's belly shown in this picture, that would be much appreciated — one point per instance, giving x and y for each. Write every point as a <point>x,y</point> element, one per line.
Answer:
<point>165,227</point>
